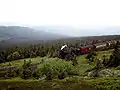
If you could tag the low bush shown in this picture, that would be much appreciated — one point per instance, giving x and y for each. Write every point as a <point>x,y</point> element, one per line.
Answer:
<point>117,68</point>
<point>10,74</point>
<point>56,68</point>
<point>36,74</point>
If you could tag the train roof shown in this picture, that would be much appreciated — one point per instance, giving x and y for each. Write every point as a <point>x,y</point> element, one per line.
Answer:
<point>87,46</point>
<point>99,44</point>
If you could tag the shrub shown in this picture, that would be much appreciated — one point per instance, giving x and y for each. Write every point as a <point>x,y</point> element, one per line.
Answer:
<point>10,73</point>
<point>56,67</point>
<point>36,74</point>
<point>114,60</point>
<point>62,75</point>
<point>117,68</point>
<point>26,70</point>
<point>27,73</point>
<point>13,56</point>
<point>91,56</point>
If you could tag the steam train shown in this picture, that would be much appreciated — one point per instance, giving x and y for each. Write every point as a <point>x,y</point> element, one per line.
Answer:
<point>86,49</point>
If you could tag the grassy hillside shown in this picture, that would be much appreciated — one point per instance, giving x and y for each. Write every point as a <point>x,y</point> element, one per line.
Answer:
<point>21,61</point>
<point>77,81</point>
<point>81,59</point>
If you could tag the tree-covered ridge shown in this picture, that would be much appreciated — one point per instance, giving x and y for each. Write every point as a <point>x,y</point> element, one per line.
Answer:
<point>49,48</point>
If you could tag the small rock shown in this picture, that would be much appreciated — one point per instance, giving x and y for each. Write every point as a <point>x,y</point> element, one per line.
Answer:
<point>117,72</point>
<point>42,78</point>
<point>85,77</point>
<point>105,73</point>
<point>91,74</point>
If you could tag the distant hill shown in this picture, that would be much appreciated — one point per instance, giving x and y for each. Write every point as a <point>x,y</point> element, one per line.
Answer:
<point>17,33</point>
<point>80,32</point>
<point>10,35</point>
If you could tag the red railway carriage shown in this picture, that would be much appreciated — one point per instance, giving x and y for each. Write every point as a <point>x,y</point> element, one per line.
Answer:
<point>86,49</point>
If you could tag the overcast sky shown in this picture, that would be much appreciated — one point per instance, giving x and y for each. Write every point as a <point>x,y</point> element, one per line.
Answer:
<point>80,14</point>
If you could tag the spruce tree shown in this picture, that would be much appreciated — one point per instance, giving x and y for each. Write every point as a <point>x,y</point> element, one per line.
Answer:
<point>115,57</point>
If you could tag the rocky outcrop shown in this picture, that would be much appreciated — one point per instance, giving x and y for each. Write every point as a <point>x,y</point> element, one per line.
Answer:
<point>101,73</point>
<point>105,73</point>
<point>92,74</point>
